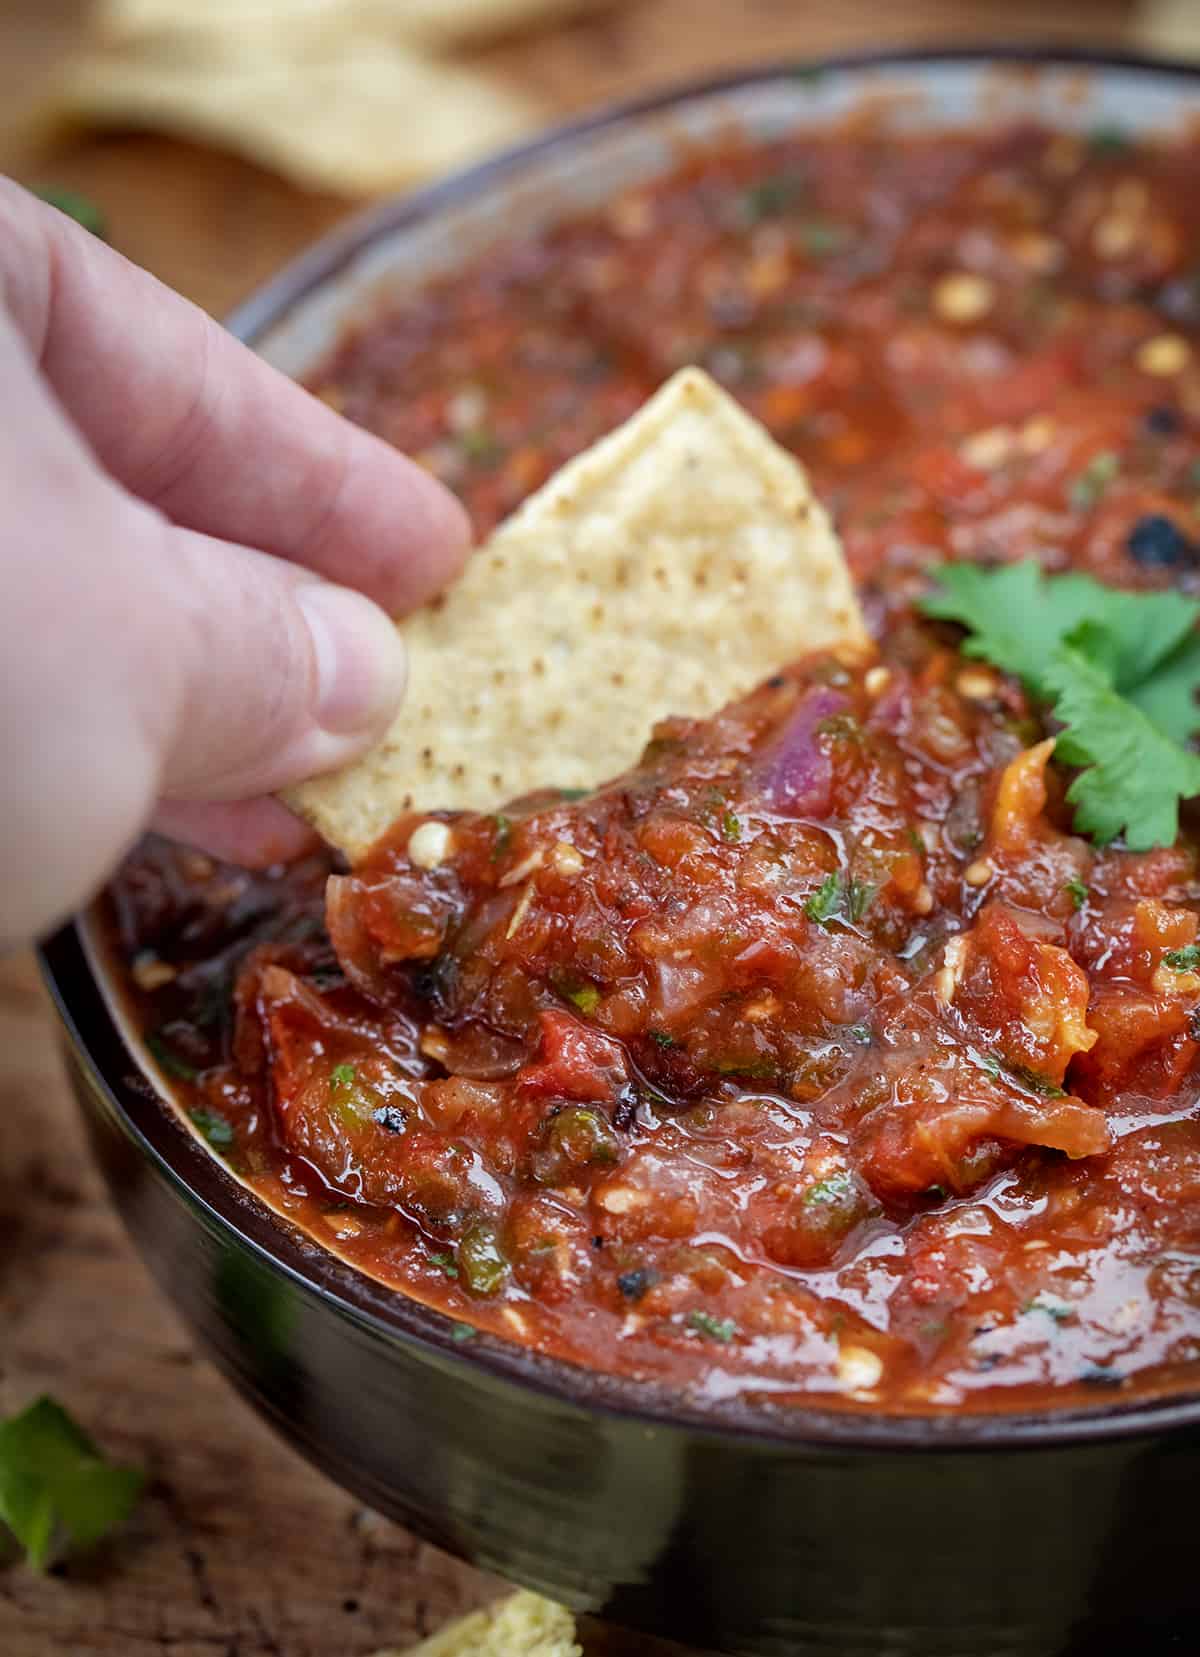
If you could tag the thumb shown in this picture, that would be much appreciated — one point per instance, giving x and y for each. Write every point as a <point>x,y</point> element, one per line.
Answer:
<point>273,674</point>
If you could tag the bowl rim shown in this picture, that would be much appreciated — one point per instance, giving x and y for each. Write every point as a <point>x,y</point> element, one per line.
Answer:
<point>332,253</point>
<point>232,1209</point>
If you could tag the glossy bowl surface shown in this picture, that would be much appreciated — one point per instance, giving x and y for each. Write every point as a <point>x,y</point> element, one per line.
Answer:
<point>737,1529</point>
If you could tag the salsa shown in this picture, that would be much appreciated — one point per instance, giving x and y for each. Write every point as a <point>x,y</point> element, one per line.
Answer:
<point>819,1057</point>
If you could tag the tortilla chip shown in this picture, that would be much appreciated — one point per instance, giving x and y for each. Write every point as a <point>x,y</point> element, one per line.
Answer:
<point>524,1625</point>
<point>363,117</point>
<point>667,570</point>
<point>127,22</point>
<point>441,24</point>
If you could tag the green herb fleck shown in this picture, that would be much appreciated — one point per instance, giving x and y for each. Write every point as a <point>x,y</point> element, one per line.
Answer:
<point>445,1262</point>
<point>169,1060</point>
<point>860,895</point>
<point>76,207</point>
<point>825,901</point>
<point>501,836</point>
<point>1077,892</point>
<point>731,827</point>
<point>479,444</point>
<point>835,899</point>
<point>713,1329</point>
<point>1095,478</point>
<point>759,1070</point>
<point>1031,1080</point>
<point>54,1482</point>
<point>343,1075</point>
<point>1108,138</point>
<point>463,1332</point>
<point>662,1038</point>
<point>770,197</point>
<point>1186,959</point>
<point>586,998</point>
<point>822,236</point>
<point>830,1190</point>
<point>214,1127</point>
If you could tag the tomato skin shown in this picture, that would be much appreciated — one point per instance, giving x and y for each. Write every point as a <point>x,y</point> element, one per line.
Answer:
<point>574,1062</point>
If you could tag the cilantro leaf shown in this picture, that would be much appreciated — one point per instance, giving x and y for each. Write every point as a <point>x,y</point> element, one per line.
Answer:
<point>1131,634</point>
<point>1120,671</point>
<point>53,1479</point>
<point>1169,698</point>
<point>1009,624</point>
<point>1135,776</point>
<point>1019,617</point>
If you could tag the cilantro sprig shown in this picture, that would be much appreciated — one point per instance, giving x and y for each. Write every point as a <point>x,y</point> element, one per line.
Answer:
<point>1118,670</point>
<point>54,1483</point>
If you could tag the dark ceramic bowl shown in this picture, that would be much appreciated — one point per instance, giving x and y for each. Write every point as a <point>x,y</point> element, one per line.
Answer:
<point>804,1532</point>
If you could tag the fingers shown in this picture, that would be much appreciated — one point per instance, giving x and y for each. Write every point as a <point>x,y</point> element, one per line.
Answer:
<point>192,422</point>
<point>271,674</point>
<point>140,662</point>
<point>254,833</point>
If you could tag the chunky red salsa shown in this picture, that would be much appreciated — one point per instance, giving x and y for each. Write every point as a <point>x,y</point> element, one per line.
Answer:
<point>818,1056</point>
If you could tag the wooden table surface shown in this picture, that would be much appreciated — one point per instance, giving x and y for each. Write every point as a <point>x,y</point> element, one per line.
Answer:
<point>239,1549</point>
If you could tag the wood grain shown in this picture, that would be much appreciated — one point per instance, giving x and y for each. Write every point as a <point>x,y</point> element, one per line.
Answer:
<point>239,1549</point>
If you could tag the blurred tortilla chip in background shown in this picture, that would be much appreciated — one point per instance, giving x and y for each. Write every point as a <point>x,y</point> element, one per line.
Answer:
<point>444,24</point>
<point>356,97</point>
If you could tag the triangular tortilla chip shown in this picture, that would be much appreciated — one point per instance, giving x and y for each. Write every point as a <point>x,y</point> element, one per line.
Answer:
<point>667,570</point>
<point>360,117</point>
<point>441,24</point>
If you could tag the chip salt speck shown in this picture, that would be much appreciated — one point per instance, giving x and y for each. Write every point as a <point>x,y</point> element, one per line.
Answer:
<point>686,548</point>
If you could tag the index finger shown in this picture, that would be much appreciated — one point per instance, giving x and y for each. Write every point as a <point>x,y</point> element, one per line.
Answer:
<point>187,418</point>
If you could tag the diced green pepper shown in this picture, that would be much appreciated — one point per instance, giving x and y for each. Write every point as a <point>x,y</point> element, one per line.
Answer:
<point>481,1260</point>
<point>574,1138</point>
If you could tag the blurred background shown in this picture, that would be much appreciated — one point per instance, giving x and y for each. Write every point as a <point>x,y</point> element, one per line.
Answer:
<point>217,137</point>
<point>212,140</point>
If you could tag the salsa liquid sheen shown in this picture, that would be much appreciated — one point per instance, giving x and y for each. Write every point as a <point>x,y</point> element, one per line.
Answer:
<point>817,1058</point>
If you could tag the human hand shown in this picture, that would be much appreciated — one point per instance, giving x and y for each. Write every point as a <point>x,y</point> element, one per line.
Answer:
<point>195,561</point>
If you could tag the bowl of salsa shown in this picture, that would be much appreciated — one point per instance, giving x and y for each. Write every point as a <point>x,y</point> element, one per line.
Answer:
<point>744,1195</point>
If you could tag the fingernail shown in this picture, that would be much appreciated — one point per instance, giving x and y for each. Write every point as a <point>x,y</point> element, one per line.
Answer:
<point>359,656</point>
